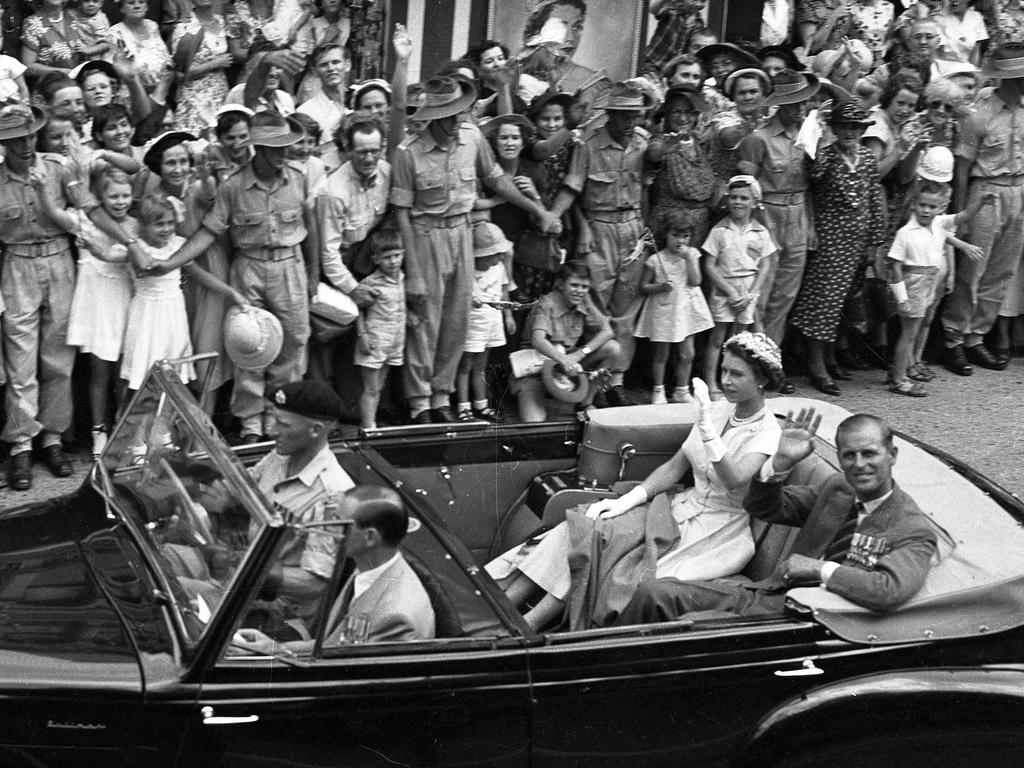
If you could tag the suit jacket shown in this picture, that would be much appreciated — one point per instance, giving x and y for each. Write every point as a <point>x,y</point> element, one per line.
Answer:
<point>394,608</point>
<point>891,551</point>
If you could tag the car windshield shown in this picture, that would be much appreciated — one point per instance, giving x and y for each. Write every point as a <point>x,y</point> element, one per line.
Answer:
<point>173,479</point>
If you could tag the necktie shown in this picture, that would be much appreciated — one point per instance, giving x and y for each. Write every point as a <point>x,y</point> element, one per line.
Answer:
<point>840,545</point>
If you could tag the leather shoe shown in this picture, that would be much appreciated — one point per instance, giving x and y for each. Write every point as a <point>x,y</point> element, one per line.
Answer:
<point>19,471</point>
<point>979,355</point>
<point>617,397</point>
<point>1002,354</point>
<point>955,360</point>
<point>443,415</point>
<point>423,417</point>
<point>787,387</point>
<point>838,372</point>
<point>825,385</point>
<point>57,461</point>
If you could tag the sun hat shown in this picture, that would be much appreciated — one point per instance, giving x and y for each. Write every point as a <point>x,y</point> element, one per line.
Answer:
<point>681,93</point>
<point>488,239</point>
<point>783,52</point>
<point>445,97</point>
<point>252,337</point>
<point>741,57</point>
<point>79,73</point>
<point>627,97</point>
<point>792,88</point>
<point>358,89</point>
<point>957,68</point>
<point>492,124</point>
<point>276,134</point>
<point>312,399</point>
<point>850,114</point>
<point>837,93</point>
<point>1006,62</point>
<point>549,97</point>
<point>227,109</point>
<point>936,164</point>
<point>754,72</point>
<point>562,386</point>
<point>155,149</point>
<point>17,120</point>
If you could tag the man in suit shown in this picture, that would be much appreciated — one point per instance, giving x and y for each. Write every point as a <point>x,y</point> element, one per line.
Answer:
<point>860,535</point>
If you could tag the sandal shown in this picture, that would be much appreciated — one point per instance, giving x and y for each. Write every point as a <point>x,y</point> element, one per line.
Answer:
<point>487,414</point>
<point>908,388</point>
<point>465,415</point>
<point>918,372</point>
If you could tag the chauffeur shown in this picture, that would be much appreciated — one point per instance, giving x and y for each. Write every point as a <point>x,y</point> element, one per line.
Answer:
<point>266,206</point>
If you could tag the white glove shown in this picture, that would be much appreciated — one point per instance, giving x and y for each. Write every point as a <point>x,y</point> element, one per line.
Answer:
<point>702,397</point>
<point>608,508</point>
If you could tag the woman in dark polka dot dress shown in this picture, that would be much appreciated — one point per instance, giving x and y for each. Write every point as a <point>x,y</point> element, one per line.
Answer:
<point>849,212</point>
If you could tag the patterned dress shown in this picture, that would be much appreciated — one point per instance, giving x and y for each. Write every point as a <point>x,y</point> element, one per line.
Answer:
<point>53,42</point>
<point>850,218</point>
<point>201,97</point>
<point>685,180</point>
<point>147,50</point>
<point>870,23</point>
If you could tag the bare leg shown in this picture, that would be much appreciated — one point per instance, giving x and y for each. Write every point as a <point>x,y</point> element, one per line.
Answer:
<point>462,377</point>
<point>684,361</point>
<point>518,588</point>
<point>659,360</point>
<point>373,385</point>
<point>904,357</point>
<point>713,353</point>
<point>477,378</point>
<point>547,610</point>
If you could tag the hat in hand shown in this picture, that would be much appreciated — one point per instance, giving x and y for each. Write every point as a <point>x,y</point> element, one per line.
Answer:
<point>312,399</point>
<point>252,337</point>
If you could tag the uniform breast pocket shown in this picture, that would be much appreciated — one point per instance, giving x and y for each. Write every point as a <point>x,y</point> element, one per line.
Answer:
<point>247,228</point>
<point>10,213</point>
<point>467,184</point>
<point>602,189</point>
<point>430,190</point>
<point>289,219</point>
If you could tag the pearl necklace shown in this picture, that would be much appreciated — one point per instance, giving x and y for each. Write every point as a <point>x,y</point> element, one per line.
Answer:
<point>735,421</point>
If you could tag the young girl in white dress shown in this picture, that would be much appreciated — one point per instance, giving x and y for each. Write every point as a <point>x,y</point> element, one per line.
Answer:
<point>674,309</point>
<point>157,322</point>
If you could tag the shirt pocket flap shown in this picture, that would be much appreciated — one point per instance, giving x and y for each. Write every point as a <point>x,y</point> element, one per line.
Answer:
<point>429,181</point>
<point>467,174</point>
<point>10,212</point>
<point>290,215</point>
<point>603,177</point>
<point>248,218</point>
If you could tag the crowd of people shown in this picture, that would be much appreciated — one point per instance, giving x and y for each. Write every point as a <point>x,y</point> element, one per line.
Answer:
<point>222,171</point>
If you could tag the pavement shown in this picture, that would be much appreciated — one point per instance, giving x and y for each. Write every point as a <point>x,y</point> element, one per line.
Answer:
<point>979,419</point>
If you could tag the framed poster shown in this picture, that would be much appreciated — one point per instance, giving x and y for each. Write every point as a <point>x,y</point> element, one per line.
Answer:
<point>612,33</point>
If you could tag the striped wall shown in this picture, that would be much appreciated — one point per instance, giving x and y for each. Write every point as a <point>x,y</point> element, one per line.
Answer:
<point>441,29</point>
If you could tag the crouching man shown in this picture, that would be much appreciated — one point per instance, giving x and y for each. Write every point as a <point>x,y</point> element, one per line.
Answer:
<point>860,535</point>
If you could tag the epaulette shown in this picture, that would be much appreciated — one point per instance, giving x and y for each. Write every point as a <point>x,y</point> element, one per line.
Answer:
<point>53,157</point>
<point>407,142</point>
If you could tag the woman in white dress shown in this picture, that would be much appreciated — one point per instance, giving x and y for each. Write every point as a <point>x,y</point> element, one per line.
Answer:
<point>729,443</point>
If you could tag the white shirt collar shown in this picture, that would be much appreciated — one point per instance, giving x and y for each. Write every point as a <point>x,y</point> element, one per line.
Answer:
<point>365,579</point>
<point>871,506</point>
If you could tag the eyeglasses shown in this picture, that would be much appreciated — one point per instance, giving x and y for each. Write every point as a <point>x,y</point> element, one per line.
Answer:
<point>944,106</point>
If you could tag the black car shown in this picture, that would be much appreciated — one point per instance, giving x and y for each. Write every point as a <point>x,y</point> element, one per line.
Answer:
<point>120,610</point>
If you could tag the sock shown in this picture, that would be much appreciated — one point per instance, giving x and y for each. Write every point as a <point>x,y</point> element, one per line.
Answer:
<point>617,377</point>
<point>658,388</point>
<point>463,407</point>
<point>480,404</point>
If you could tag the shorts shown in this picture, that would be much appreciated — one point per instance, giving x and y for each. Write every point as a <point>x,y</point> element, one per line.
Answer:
<point>721,312</point>
<point>923,290</point>
<point>376,349</point>
<point>486,330</point>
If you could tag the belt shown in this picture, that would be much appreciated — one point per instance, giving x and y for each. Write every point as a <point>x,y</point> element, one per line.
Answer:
<point>46,248</point>
<point>783,198</point>
<point>270,254</point>
<point>1006,180</point>
<point>613,217</point>
<point>920,270</point>
<point>431,221</point>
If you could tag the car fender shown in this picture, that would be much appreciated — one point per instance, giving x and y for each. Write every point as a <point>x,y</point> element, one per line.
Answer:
<point>905,708</point>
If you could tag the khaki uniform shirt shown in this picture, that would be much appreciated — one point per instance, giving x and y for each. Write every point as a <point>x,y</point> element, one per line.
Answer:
<point>442,181</point>
<point>770,155</point>
<point>992,137</point>
<point>563,323</point>
<point>22,220</point>
<point>609,175</point>
<point>261,214</point>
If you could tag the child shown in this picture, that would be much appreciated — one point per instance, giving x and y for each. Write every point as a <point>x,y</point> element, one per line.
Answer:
<point>157,324</point>
<point>920,264</point>
<point>103,292</point>
<point>13,88</point>
<point>487,325</point>
<point>381,326</point>
<point>674,310</point>
<point>739,251</point>
<point>93,28</point>
<point>301,153</point>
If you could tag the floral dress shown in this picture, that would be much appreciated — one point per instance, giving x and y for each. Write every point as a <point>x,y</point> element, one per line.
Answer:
<point>147,51</point>
<point>201,97</point>
<point>870,23</point>
<point>850,219</point>
<point>55,44</point>
<point>685,181</point>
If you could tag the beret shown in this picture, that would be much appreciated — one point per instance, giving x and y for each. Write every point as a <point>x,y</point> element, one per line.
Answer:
<point>312,399</point>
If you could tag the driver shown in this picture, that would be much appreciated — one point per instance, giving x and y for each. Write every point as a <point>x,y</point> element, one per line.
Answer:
<point>861,536</point>
<point>297,477</point>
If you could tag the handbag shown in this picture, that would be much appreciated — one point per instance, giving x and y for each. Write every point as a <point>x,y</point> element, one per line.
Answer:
<point>331,313</point>
<point>539,251</point>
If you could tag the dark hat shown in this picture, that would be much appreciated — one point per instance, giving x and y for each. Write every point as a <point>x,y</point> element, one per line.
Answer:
<point>562,386</point>
<point>792,88</point>
<point>549,97</point>
<point>837,93</point>
<point>743,58</point>
<point>277,134</point>
<point>17,120</point>
<point>80,72</point>
<point>445,97</point>
<point>415,97</point>
<point>1006,62</point>
<point>850,114</point>
<point>755,72</point>
<point>492,124</point>
<point>626,97</point>
<point>783,52</point>
<point>157,146</point>
<point>312,399</point>
<point>681,93</point>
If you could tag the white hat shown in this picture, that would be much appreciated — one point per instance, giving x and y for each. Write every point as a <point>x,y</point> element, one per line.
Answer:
<point>936,164</point>
<point>252,337</point>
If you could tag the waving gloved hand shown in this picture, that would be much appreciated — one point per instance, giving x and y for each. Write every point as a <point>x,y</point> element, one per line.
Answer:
<point>713,444</point>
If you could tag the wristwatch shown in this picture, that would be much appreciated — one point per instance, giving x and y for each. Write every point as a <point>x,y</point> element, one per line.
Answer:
<point>586,350</point>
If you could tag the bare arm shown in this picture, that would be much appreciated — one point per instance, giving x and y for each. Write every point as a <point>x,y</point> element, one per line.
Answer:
<point>961,179</point>
<point>213,283</point>
<point>402,43</point>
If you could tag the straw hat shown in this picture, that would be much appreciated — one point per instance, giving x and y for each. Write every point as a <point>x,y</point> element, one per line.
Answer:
<point>282,134</point>
<point>752,72</point>
<point>626,97</point>
<point>936,164</point>
<point>445,97</point>
<point>488,239</point>
<point>792,88</point>
<point>17,120</point>
<point>252,337</point>
<point>1006,62</point>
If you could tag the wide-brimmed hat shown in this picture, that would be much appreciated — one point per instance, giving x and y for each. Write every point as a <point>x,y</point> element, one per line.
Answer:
<point>445,97</point>
<point>850,114</point>
<point>626,97</point>
<point>1006,62</point>
<point>562,386</point>
<point>681,93</point>
<point>491,124</point>
<point>783,52</point>
<point>488,240</point>
<point>283,134</point>
<point>956,68</point>
<point>549,97</point>
<point>152,156</point>
<point>755,72</point>
<point>79,73</point>
<point>743,58</point>
<point>414,98</point>
<point>791,88</point>
<point>837,93</point>
<point>17,120</point>
<point>936,164</point>
<point>252,337</point>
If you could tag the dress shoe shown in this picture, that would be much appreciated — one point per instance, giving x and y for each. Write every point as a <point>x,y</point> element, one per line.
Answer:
<point>955,360</point>
<point>19,471</point>
<point>423,417</point>
<point>824,384</point>
<point>1002,354</point>
<point>838,372</point>
<point>616,396</point>
<point>979,355</point>
<point>57,461</point>
<point>443,415</point>
<point>787,387</point>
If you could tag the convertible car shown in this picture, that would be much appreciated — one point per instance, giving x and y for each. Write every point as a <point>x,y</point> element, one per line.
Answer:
<point>121,605</point>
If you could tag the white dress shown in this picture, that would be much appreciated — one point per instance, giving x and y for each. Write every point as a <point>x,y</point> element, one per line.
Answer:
<point>103,292</point>
<point>157,322</point>
<point>677,314</point>
<point>487,324</point>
